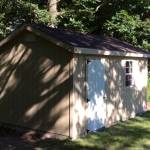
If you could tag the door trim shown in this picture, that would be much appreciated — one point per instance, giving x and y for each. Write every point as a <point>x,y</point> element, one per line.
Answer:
<point>86,78</point>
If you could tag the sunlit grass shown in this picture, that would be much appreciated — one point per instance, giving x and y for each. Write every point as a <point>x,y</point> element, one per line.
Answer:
<point>133,134</point>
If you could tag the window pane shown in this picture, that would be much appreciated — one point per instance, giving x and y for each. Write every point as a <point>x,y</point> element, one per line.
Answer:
<point>128,70</point>
<point>130,64</point>
<point>129,83</point>
<point>128,73</point>
<point>128,77</point>
<point>127,63</point>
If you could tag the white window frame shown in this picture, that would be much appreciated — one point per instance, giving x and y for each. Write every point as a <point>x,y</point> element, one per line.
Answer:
<point>128,71</point>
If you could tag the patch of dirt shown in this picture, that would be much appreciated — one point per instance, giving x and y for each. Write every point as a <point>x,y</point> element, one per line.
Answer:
<point>15,142</point>
<point>11,140</point>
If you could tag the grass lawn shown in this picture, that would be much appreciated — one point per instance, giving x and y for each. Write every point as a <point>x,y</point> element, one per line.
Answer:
<point>133,134</point>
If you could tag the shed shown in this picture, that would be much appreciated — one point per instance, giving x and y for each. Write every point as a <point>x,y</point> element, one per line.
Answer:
<point>69,83</point>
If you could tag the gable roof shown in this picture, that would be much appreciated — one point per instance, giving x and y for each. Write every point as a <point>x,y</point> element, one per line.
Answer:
<point>77,42</point>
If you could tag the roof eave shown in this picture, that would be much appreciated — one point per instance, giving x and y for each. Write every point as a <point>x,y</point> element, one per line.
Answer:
<point>39,33</point>
<point>79,50</point>
<point>13,34</point>
<point>50,38</point>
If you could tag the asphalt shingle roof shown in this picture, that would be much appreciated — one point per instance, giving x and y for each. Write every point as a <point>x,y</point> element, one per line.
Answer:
<point>77,39</point>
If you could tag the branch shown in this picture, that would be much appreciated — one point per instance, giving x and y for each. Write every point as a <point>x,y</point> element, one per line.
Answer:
<point>97,8</point>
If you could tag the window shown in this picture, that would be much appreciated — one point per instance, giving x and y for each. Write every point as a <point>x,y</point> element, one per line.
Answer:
<point>129,73</point>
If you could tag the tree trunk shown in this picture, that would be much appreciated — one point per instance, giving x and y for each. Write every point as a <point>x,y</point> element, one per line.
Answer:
<point>53,7</point>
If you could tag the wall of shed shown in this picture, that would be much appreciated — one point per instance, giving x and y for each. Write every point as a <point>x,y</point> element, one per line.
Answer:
<point>121,103</point>
<point>79,92</point>
<point>36,85</point>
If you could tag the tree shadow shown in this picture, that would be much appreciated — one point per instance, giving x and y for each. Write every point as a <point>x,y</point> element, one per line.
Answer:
<point>125,135</point>
<point>36,82</point>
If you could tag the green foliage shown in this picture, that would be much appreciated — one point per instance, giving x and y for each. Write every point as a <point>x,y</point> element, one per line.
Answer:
<point>2,25</point>
<point>13,13</point>
<point>89,16</point>
<point>34,14</point>
<point>128,21</point>
<point>129,28</point>
<point>78,15</point>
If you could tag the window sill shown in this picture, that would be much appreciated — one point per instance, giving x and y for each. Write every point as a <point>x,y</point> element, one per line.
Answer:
<point>128,87</point>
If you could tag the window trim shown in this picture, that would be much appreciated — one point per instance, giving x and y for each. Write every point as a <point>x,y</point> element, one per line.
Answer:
<point>125,74</point>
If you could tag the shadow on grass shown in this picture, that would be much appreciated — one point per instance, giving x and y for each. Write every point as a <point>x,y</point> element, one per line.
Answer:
<point>133,134</point>
<point>128,135</point>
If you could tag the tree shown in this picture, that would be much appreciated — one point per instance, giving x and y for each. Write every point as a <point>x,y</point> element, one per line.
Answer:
<point>13,13</point>
<point>129,28</point>
<point>79,15</point>
<point>87,13</point>
<point>126,20</point>
<point>52,7</point>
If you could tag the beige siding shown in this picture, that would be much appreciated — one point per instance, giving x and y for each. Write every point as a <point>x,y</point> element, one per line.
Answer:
<point>43,87</point>
<point>36,85</point>
<point>79,96</point>
<point>124,102</point>
<point>121,103</point>
<point>116,103</point>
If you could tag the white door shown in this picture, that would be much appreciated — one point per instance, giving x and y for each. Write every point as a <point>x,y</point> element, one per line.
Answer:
<point>95,94</point>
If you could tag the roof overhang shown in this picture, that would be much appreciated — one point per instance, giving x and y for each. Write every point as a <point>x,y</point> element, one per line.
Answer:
<point>37,32</point>
<point>77,50</point>
<point>89,51</point>
<point>13,34</point>
<point>50,38</point>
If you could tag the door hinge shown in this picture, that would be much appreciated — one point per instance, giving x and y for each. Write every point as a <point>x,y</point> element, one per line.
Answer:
<point>88,100</point>
<point>88,61</point>
<point>88,130</point>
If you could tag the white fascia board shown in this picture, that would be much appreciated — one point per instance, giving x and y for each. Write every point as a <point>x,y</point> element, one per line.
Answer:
<point>79,50</point>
